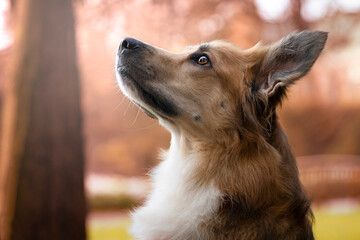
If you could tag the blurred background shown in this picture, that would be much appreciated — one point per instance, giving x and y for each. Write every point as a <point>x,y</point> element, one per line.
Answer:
<point>117,144</point>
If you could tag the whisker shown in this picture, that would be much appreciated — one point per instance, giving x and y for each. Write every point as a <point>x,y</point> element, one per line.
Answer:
<point>119,103</point>
<point>136,117</point>
<point>127,109</point>
<point>118,91</point>
<point>141,129</point>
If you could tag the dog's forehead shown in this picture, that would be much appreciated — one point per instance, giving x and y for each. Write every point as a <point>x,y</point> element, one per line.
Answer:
<point>211,46</point>
<point>193,48</point>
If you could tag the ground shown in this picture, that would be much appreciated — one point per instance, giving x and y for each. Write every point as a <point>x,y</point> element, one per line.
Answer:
<point>329,225</point>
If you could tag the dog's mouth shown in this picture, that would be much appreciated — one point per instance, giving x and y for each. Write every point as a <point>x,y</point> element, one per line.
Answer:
<point>153,103</point>
<point>147,112</point>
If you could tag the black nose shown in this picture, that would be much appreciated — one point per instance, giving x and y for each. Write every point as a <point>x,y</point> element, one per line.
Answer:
<point>129,44</point>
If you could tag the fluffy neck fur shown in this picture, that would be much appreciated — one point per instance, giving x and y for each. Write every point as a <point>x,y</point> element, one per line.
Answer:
<point>262,197</point>
<point>235,187</point>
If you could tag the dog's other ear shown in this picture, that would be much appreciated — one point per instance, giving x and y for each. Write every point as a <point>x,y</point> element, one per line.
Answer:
<point>286,61</point>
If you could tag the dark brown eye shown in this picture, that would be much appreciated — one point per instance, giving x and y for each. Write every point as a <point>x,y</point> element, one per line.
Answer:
<point>202,60</point>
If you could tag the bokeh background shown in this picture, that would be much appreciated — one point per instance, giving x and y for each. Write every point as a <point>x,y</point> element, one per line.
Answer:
<point>321,115</point>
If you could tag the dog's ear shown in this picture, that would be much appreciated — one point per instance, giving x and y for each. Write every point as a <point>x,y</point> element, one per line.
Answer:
<point>282,63</point>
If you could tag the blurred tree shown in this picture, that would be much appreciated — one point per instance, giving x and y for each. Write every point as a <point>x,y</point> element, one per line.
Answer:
<point>42,158</point>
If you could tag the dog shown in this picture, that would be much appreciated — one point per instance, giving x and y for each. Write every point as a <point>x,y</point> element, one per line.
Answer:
<point>229,172</point>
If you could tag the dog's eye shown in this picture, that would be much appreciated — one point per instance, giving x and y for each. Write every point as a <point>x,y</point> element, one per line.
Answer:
<point>202,60</point>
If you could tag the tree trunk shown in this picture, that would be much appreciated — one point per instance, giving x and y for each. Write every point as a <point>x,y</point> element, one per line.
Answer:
<point>42,158</point>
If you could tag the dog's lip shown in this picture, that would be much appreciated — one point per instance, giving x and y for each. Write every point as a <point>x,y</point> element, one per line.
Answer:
<point>151,113</point>
<point>119,63</point>
<point>120,67</point>
<point>146,111</point>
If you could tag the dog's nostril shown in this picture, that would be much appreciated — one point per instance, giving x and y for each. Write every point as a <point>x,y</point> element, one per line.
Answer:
<point>130,43</point>
<point>125,44</point>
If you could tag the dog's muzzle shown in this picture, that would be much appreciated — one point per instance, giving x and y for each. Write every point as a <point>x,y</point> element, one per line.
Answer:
<point>136,70</point>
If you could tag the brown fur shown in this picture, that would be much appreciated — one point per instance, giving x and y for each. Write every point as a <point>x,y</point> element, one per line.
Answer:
<point>226,114</point>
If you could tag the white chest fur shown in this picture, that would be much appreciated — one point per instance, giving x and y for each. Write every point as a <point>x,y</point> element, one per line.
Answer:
<point>175,208</point>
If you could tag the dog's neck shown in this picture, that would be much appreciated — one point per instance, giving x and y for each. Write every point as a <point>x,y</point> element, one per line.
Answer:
<point>224,188</point>
<point>258,173</point>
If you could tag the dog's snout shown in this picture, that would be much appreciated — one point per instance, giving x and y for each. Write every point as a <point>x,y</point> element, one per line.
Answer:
<point>129,44</point>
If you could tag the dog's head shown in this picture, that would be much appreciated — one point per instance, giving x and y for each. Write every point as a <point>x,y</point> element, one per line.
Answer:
<point>215,87</point>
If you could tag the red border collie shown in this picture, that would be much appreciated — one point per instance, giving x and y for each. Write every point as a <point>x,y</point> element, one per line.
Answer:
<point>229,172</point>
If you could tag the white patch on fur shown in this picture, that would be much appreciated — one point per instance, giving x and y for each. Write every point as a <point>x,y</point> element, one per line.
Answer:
<point>175,208</point>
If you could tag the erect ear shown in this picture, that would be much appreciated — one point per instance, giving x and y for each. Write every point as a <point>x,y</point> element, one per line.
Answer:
<point>286,61</point>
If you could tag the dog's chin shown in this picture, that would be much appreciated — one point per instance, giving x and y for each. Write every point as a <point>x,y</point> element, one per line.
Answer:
<point>152,103</point>
<point>130,90</point>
